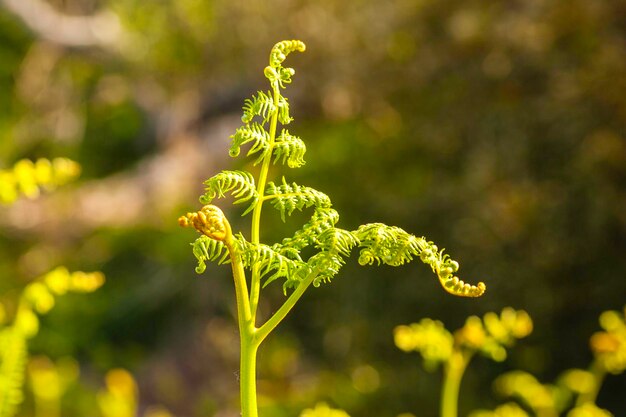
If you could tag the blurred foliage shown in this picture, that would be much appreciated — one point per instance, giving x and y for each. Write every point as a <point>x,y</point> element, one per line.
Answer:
<point>575,391</point>
<point>505,121</point>
<point>489,337</point>
<point>26,177</point>
<point>323,410</point>
<point>37,298</point>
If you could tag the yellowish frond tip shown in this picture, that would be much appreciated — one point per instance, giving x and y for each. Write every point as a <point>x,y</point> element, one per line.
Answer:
<point>209,220</point>
<point>455,286</point>
<point>282,49</point>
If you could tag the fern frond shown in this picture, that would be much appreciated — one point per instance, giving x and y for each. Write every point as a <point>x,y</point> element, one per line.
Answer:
<point>27,177</point>
<point>239,183</point>
<point>269,259</point>
<point>393,246</point>
<point>389,245</point>
<point>283,111</point>
<point>280,51</point>
<point>322,219</point>
<point>13,356</point>
<point>275,72</point>
<point>326,264</point>
<point>334,245</point>
<point>206,249</point>
<point>250,133</point>
<point>286,198</point>
<point>260,105</point>
<point>337,241</point>
<point>290,149</point>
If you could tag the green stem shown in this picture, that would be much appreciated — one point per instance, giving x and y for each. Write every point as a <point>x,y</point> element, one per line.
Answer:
<point>282,312</point>
<point>255,285</point>
<point>244,313</point>
<point>245,319</point>
<point>453,373</point>
<point>247,375</point>
<point>598,373</point>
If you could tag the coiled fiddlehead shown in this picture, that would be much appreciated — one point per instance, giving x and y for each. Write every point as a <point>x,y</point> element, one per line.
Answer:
<point>210,221</point>
<point>393,246</point>
<point>283,48</point>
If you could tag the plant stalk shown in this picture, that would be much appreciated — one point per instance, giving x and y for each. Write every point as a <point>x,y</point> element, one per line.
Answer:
<point>282,312</point>
<point>255,284</point>
<point>453,373</point>
<point>598,373</point>
<point>247,376</point>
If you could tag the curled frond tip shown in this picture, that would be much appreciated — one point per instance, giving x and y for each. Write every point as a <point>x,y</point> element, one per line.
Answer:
<point>456,286</point>
<point>209,220</point>
<point>282,49</point>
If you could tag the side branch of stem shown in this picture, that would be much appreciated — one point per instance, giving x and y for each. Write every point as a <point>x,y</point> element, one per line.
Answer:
<point>244,313</point>
<point>282,312</point>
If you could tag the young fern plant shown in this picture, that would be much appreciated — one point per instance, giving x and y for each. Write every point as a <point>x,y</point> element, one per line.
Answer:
<point>267,144</point>
<point>575,391</point>
<point>489,336</point>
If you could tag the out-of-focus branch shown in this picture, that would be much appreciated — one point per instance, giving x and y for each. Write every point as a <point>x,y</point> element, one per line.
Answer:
<point>102,29</point>
<point>145,195</point>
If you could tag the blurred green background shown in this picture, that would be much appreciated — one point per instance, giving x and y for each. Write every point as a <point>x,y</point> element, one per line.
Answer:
<point>496,129</point>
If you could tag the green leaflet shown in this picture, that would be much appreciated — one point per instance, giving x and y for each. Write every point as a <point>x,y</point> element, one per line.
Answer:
<point>269,259</point>
<point>322,219</point>
<point>251,133</point>
<point>260,105</point>
<point>286,198</point>
<point>290,149</point>
<point>239,184</point>
<point>337,241</point>
<point>263,106</point>
<point>206,249</point>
